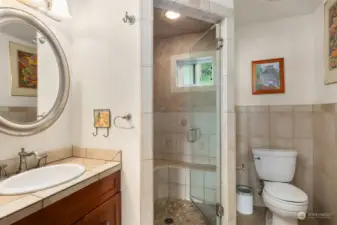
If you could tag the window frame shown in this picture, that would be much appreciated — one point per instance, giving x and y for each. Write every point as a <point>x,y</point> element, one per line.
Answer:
<point>187,57</point>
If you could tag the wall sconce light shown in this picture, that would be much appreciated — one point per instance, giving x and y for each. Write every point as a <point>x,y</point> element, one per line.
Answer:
<point>55,9</point>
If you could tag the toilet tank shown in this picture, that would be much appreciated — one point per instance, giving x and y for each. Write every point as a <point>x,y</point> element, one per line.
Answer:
<point>275,164</point>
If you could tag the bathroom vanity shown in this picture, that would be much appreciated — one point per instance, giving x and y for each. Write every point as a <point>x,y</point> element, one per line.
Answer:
<point>92,198</point>
<point>96,204</point>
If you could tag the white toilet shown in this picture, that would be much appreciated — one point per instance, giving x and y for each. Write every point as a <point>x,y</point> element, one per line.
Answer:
<point>277,169</point>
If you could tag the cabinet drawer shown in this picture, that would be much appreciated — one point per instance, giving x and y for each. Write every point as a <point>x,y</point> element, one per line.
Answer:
<point>109,213</point>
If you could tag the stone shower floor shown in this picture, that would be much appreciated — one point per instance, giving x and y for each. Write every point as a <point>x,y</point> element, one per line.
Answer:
<point>182,212</point>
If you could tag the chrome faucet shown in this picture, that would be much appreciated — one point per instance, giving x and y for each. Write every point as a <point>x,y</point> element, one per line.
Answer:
<point>23,159</point>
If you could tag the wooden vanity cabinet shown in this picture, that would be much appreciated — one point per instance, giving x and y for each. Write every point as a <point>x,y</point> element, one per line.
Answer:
<point>106,214</point>
<point>97,204</point>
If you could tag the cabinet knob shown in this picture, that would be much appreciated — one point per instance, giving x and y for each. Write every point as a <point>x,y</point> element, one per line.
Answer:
<point>106,223</point>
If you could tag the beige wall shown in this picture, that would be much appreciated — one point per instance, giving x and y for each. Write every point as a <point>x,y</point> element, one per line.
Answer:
<point>325,161</point>
<point>164,49</point>
<point>253,43</point>
<point>285,127</point>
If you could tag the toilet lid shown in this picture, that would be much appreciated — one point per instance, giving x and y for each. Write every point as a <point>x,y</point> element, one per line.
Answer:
<point>286,192</point>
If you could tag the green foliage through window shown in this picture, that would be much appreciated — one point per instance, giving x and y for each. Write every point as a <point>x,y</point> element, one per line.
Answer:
<point>206,74</point>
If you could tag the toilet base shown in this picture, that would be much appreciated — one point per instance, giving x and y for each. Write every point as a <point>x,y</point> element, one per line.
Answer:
<point>277,220</point>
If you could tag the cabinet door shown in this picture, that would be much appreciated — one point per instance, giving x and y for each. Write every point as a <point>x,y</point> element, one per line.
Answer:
<point>109,213</point>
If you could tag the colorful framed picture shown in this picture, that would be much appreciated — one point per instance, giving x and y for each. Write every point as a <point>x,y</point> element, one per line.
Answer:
<point>24,76</point>
<point>268,76</point>
<point>330,41</point>
<point>102,118</point>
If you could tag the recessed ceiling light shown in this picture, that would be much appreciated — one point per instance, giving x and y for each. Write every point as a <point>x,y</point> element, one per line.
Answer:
<point>172,15</point>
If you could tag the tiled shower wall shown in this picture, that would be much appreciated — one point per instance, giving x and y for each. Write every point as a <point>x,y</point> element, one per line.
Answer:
<point>182,183</point>
<point>176,113</point>
<point>171,134</point>
<point>325,161</point>
<point>170,143</point>
<point>282,127</point>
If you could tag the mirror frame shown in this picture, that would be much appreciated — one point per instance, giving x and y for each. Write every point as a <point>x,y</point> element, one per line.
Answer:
<point>15,129</point>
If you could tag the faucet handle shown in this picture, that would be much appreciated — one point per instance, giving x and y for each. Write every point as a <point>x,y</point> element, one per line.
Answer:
<point>42,159</point>
<point>3,172</point>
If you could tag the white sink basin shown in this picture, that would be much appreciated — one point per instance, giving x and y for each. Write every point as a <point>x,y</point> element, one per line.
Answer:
<point>41,178</point>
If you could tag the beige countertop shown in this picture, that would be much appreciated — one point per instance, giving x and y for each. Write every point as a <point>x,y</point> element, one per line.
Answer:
<point>14,208</point>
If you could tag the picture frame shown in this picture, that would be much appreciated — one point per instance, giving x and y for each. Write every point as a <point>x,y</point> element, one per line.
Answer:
<point>102,118</point>
<point>23,64</point>
<point>268,76</point>
<point>330,41</point>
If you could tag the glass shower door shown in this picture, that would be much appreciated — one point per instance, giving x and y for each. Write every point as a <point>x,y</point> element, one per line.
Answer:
<point>204,133</point>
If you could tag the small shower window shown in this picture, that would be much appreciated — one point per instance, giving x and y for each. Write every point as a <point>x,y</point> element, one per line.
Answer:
<point>193,72</point>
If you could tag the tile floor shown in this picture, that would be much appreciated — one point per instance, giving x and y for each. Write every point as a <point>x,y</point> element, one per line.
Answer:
<point>184,212</point>
<point>257,218</point>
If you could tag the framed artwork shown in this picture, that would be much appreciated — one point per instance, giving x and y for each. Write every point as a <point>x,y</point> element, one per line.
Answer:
<point>268,76</point>
<point>23,63</point>
<point>102,118</point>
<point>330,41</point>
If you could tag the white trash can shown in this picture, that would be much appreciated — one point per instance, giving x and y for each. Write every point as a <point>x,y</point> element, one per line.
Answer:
<point>244,199</point>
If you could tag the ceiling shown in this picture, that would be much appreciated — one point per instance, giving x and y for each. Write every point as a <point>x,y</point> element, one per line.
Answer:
<point>252,11</point>
<point>163,27</point>
<point>20,31</point>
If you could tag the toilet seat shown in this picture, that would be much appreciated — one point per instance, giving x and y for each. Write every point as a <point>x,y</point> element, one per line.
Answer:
<point>285,197</point>
<point>287,193</point>
<point>283,205</point>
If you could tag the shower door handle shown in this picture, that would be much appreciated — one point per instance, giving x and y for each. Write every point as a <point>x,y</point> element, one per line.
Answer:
<point>193,135</point>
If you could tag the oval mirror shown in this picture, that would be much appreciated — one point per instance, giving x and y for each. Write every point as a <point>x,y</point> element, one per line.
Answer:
<point>34,74</point>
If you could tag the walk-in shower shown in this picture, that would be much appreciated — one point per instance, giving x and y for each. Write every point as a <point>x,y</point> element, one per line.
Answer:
<point>187,122</point>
